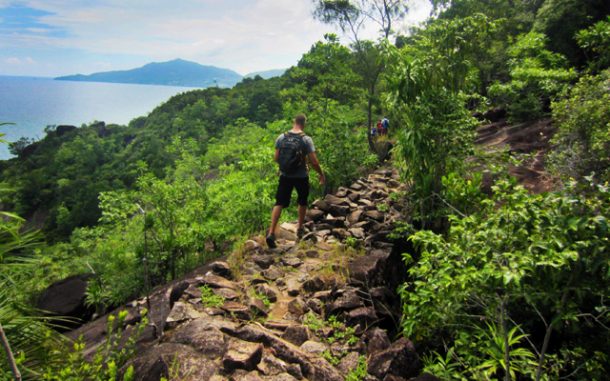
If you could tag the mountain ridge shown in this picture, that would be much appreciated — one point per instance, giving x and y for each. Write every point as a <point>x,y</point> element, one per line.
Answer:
<point>177,72</point>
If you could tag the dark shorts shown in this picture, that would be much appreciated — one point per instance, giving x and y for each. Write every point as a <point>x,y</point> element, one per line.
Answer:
<point>284,190</point>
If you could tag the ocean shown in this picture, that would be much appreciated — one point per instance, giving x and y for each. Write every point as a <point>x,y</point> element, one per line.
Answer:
<point>34,103</point>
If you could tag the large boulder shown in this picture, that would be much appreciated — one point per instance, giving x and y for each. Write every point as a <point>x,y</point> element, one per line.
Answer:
<point>184,362</point>
<point>66,298</point>
<point>399,360</point>
<point>201,335</point>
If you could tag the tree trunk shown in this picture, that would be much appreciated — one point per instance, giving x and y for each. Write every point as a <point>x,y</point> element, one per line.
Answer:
<point>370,126</point>
<point>9,355</point>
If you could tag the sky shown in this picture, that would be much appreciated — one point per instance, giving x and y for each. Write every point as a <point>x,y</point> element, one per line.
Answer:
<point>50,38</point>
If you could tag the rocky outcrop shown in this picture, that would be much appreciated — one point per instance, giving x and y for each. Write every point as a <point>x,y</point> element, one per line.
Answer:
<point>66,298</point>
<point>303,311</point>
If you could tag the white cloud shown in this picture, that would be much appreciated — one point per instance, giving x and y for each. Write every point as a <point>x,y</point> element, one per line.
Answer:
<point>19,61</point>
<point>244,35</point>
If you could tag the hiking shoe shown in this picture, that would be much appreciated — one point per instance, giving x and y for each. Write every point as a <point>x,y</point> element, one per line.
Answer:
<point>271,241</point>
<point>300,232</point>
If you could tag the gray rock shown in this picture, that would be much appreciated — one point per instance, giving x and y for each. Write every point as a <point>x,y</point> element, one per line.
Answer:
<point>334,200</point>
<point>215,281</point>
<point>292,261</point>
<point>226,293</point>
<point>348,300</point>
<point>377,340</point>
<point>312,254</point>
<point>221,268</point>
<point>263,261</point>
<point>182,312</point>
<point>293,287</point>
<point>237,309</point>
<point>353,196</point>
<point>314,368</point>
<point>349,362</point>
<point>241,375</point>
<point>242,355</point>
<point>365,316</point>
<point>266,290</point>
<point>316,305</point>
<point>273,273</point>
<point>296,334</point>
<point>374,214</point>
<point>297,307</point>
<point>357,233</point>
<point>355,216</point>
<point>277,369</point>
<point>314,214</point>
<point>399,360</point>
<point>251,246</point>
<point>200,335</point>
<point>314,347</point>
<point>257,307</point>
<point>184,362</point>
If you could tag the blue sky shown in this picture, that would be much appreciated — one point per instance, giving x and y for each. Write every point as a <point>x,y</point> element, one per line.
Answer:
<point>57,37</point>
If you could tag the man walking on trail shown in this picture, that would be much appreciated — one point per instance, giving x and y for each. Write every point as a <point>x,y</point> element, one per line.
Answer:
<point>385,123</point>
<point>292,150</point>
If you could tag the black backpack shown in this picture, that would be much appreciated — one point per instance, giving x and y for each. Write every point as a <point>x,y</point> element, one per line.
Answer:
<point>292,153</point>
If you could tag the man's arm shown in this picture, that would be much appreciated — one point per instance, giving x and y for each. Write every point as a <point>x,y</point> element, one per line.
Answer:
<point>276,156</point>
<point>313,159</point>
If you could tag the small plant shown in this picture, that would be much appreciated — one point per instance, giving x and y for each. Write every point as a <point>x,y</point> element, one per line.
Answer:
<point>351,242</point>
<point>332,359</point>
<point>262,297</point>
<point>209,298</point>
<point>313,322</point>
<point>340,332</point>
<point>397,196</point>
<point>360,372</point>
<point>108,358</point>
<point>383,208</point>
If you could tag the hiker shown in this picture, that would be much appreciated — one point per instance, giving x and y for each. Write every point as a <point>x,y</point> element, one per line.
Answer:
<point>385,123</point>
<point>292,149</point>
<point>379,127</point>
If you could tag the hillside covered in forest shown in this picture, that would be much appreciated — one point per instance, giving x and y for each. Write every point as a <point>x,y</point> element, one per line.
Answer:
<point>470,242</point>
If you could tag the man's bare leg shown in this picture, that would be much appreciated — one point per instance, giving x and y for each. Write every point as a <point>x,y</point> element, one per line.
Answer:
<point>275,217</point>
<point>302,212</point>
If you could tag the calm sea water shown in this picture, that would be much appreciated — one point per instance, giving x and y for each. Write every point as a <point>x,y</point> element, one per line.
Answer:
<point>34,103</point>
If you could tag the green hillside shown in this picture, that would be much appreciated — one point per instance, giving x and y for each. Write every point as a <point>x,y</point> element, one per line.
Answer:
<point>500,283</point>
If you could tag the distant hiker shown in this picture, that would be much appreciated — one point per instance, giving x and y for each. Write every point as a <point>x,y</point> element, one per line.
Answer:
<point>385,123</point>
<point>292,149</point>
<point>373,131</point>
<point>379,127</point>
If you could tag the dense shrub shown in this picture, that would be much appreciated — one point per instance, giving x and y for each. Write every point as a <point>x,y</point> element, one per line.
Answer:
<point>583,129</point>
<point>537,77</point>
<point>520,286</point>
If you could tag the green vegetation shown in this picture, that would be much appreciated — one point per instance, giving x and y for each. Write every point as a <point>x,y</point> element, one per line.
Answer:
<point>360,372</point>
<point>339,331</point>
<point>502,283</point>
<point>107,360</point>
<point>209,298</point>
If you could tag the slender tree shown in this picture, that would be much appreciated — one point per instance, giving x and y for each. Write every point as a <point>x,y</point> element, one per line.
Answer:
<point>350,16</point>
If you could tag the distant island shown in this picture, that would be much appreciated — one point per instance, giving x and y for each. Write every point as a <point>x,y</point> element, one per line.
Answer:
<point>177,72</point>
<point>266,74</point>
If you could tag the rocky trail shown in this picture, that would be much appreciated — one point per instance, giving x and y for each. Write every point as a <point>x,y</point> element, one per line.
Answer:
<point>317,309</point>
<point>314,309</point>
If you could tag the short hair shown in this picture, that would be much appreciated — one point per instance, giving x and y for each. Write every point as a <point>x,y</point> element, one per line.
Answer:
<point>300,120</point>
